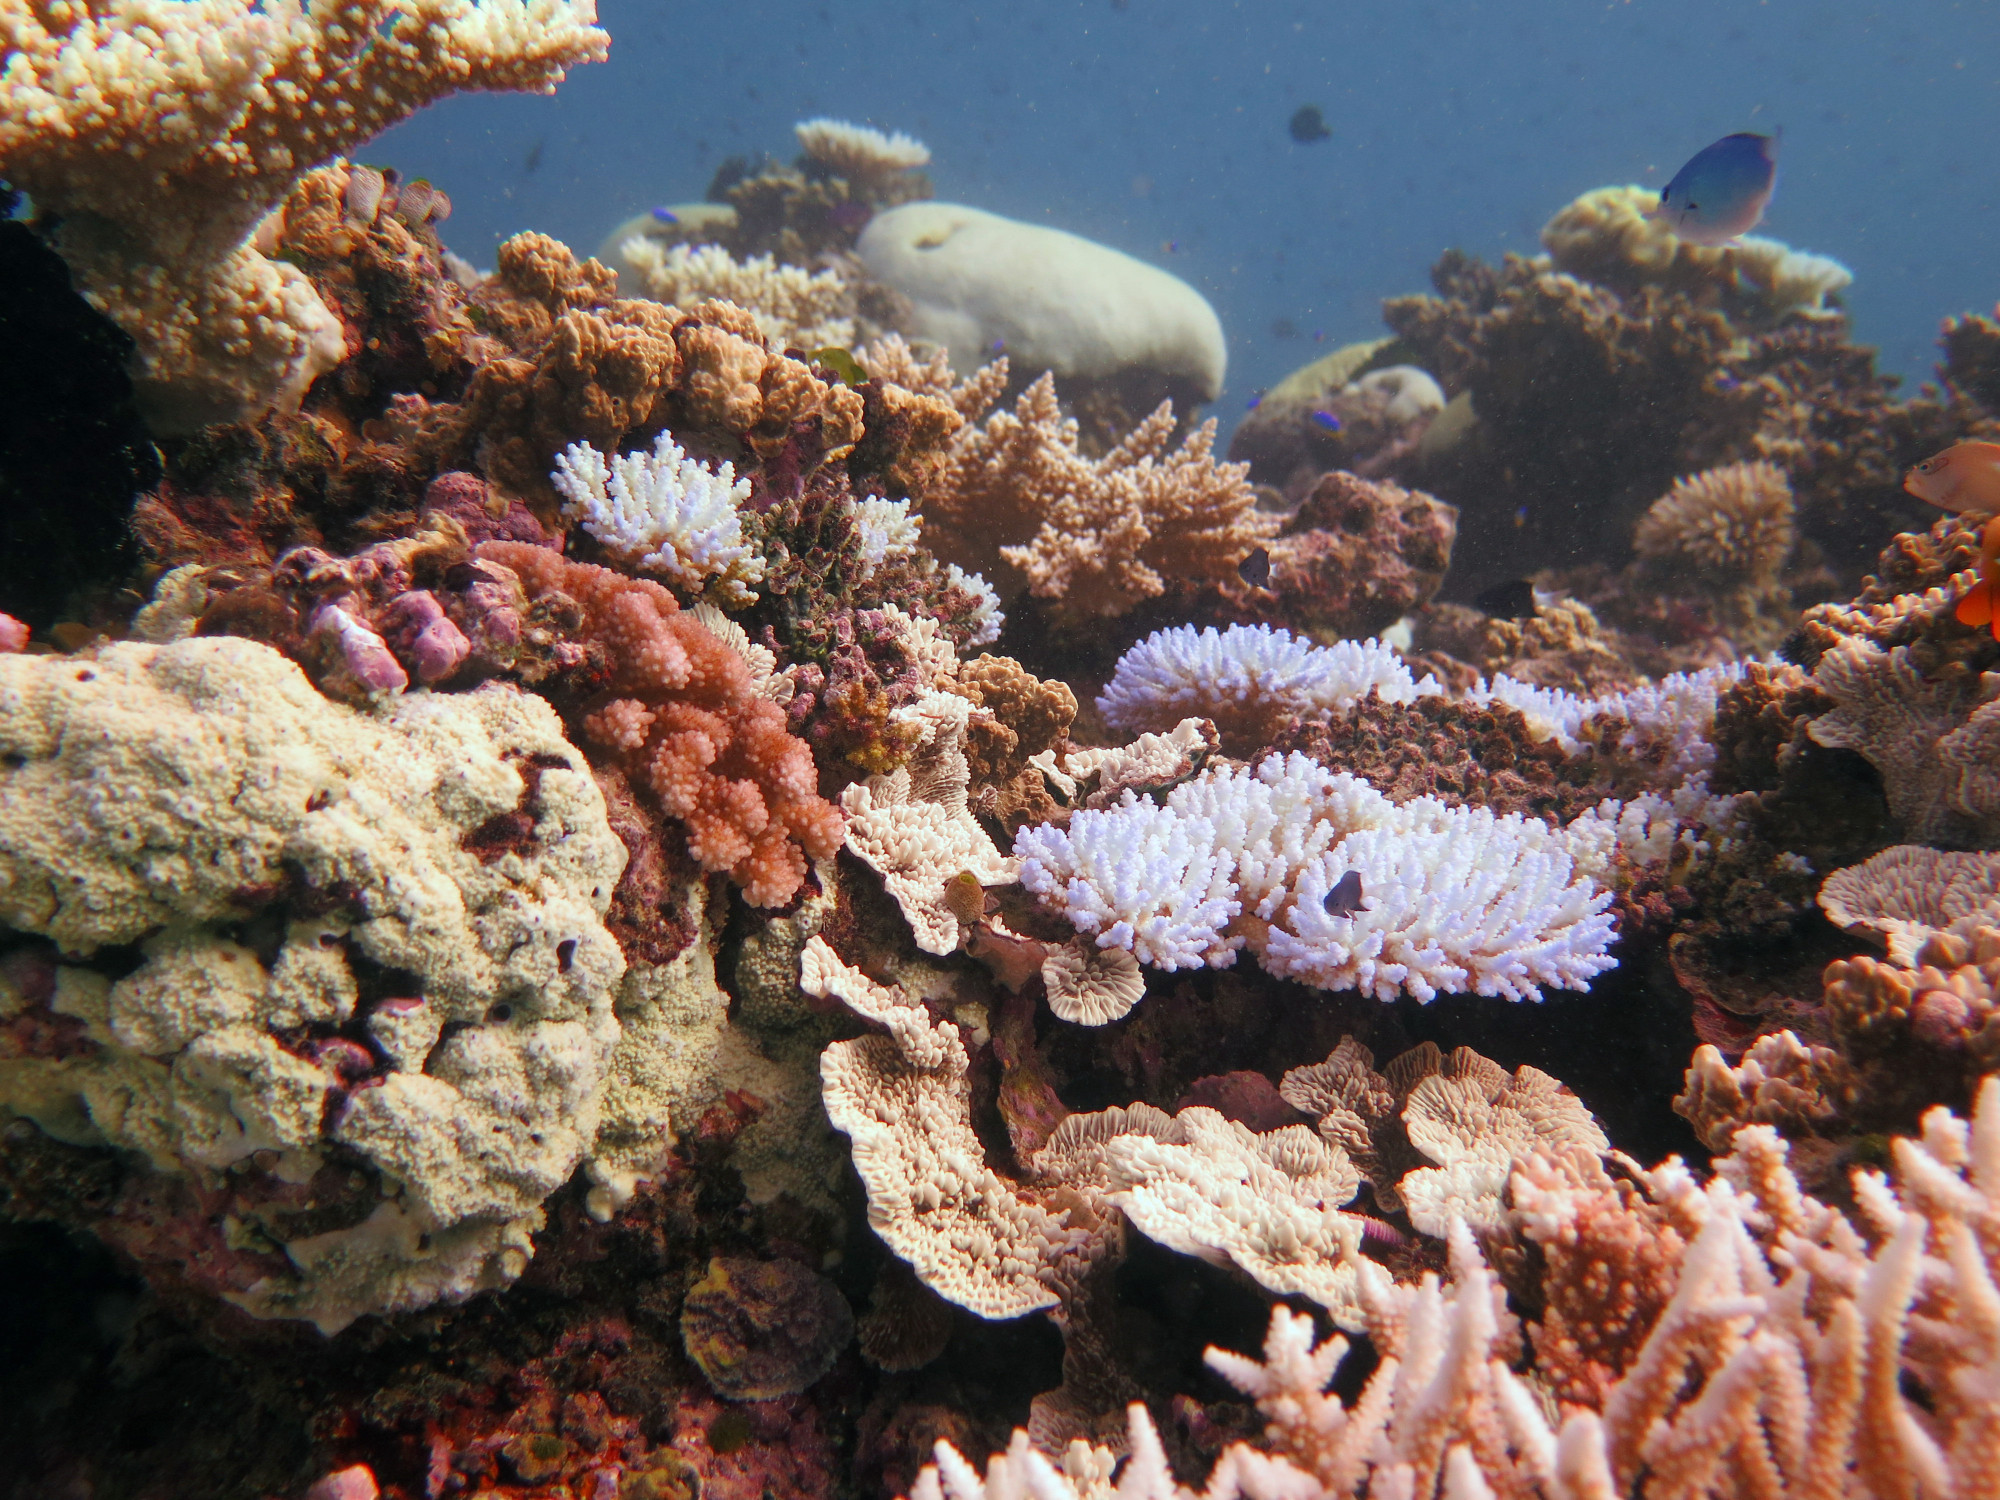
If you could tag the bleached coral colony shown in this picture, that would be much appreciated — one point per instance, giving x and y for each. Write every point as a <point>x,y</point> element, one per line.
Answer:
<point>542,956</point>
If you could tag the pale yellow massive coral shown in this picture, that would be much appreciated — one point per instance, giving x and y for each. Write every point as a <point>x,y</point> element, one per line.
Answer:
<point>158,133</point>
<point>163,797</point>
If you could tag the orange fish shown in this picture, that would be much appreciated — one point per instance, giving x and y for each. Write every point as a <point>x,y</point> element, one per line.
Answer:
<point>1966,477</point>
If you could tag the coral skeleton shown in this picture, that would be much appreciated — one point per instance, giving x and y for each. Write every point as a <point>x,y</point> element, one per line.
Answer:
<point>794,308</point>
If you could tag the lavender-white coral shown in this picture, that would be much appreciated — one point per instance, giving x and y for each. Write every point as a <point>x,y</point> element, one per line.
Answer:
<point>665,513</point>
<point>1248,680</point>
<point>157,133</point>
<point>1454,898</point>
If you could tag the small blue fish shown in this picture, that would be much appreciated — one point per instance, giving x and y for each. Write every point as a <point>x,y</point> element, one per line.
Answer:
<point>1722,191</point>
<point>1256,398</point>
<point>666,215</point>
<point>1327,420</point>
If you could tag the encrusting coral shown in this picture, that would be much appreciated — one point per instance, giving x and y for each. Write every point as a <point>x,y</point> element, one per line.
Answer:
<point>160,134</point>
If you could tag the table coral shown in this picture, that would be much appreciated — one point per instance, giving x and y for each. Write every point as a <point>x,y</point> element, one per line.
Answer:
<point>161,134</point>
<point>1748,1337</point>
<point>681,713</point>
<point>1453,898</point>
<point>435,1006</point>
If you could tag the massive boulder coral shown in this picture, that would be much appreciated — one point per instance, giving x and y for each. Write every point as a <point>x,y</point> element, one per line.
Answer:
<point>158,134</point>
<point>370,939</point>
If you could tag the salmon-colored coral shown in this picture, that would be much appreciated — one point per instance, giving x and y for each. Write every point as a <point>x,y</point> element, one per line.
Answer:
<point>681,715</point>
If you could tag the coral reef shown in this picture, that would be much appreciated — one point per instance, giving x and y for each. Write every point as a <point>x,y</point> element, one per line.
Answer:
<point>540,958</point>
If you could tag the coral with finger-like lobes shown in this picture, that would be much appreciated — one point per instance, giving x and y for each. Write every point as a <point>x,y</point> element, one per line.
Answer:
<point>660,696</point>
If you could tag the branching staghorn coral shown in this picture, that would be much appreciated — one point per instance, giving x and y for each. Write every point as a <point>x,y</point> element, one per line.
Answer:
<point>159,132</point>
<point>1775,1348</point>
<point>665,513</point>
<point>679,710</point>
<point>1092,536</point>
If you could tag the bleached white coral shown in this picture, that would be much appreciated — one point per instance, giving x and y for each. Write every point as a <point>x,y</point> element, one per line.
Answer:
<point>664,512</point>
<point>1138,876</point>
<point>986,616</point>
<point>1678,710</point>
<point>1452,898</point>
<point>1248,677</point>
<point>794,308</point>
<point>887,531</point>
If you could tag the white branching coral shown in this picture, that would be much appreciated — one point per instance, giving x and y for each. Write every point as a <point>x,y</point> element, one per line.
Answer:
<point>986,617</point>
<point>1450,898</point>
<point>1137,876</point>
<point>794,308</point>
<point>887,531</point>
<point>1677,713</point>
<point>1247,680</point>
<point>156,134</point>
<point>859,151</point>
<point>665,513</point>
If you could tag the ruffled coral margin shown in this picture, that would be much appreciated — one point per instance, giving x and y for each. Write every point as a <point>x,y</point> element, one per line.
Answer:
<point>1794,1352</point>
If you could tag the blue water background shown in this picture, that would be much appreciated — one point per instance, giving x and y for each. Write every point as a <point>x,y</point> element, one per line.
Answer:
<point>1159,126</point>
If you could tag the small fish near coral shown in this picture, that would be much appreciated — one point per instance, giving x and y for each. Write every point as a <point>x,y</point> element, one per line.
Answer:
<point>1344,900</point>
<point>1308,125</point>
<point>1255,568</point>
<point>1723,190</point>
<point>1966,477</point>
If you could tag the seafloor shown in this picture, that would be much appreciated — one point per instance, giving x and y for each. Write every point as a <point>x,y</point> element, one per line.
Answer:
<point>633,881</point>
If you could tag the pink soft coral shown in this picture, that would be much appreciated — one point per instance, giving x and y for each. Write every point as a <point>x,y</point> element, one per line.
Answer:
<point>682,716</point>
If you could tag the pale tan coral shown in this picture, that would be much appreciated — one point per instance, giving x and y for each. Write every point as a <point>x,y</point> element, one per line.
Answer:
<point>1476,1120</point>
<point>1908,893</point>
<point>859,151</point>
<point>794,308</point>
<point>687,721</point>
<point>891,360</point>
<point>1151,764</point>
<point>1948,994</point>
<point>1102,535</point>
<point>1266,1202</point>
<point>1771,1350</point>
<point>1090,985</point>
<point>161,795</point>
<point>1780,1081</point>
<point>906,1105</point>
<point>914,828</point>
<point>159,132</point>
<point>1732,524</point>
<point>1926,736</point>
<point>1607,236</point>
